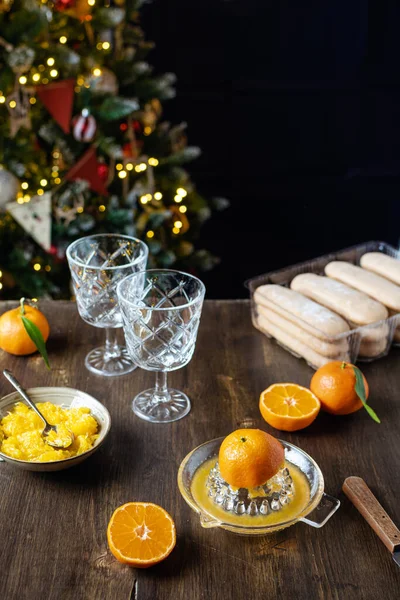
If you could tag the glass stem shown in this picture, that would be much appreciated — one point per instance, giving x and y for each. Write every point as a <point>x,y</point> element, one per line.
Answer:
<point>113,349</point>
<point>161,393</point>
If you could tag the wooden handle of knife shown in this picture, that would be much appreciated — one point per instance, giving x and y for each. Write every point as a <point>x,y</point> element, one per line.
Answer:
<point>364,500</point>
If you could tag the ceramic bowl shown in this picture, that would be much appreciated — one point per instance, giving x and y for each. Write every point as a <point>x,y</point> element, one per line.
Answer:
<point>67,398</point>
<point>319,509</point>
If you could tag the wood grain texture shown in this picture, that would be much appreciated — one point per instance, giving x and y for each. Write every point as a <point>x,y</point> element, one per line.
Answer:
<point>367,504</point>
<point>53,525</point>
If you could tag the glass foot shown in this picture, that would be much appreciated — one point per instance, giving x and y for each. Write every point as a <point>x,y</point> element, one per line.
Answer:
<point>98,362</point>
<point>149,407</point>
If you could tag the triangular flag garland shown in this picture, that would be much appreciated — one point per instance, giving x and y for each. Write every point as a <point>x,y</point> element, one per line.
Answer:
<point>58,98</point>
<point>87,169</point>
<point>35,218</point>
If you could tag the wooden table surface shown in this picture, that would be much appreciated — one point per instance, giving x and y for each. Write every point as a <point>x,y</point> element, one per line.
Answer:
<point>53,526</point>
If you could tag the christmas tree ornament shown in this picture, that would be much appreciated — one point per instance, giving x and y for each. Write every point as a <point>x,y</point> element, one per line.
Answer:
<point>5,5</point>
<point>103,171</point>
<point>19,108</point>
<point>9,187</point>
<point>66,214</point>
<point>20,59</point>
<point>84,126</point>
<point>132,152</point>
<point>78,9</point>
<point>104,82</point>
<point>149,119</point>
<point>156,107</point>
<point>58,98</point>
<point>35,218</point>
<point>87,169</point>
<point>62,5</point>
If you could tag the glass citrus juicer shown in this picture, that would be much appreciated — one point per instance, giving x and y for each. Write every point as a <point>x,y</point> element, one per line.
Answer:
<point>294,493</point>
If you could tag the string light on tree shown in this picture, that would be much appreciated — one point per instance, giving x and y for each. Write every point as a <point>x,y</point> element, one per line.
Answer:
<point>102,208</point>
<point>122,174</point>
<point>157,196</point>
<point>182,209</point>
<point>153,162</point>
<point>178,198</point>
<point>50,61</point>
<point>150,234</point>
<point>37,266</point>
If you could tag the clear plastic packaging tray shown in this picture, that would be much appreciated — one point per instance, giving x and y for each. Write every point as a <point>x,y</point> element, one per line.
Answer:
<point>354,345</point>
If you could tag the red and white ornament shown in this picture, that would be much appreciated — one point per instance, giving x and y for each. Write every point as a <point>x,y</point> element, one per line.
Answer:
<point>84,127</point>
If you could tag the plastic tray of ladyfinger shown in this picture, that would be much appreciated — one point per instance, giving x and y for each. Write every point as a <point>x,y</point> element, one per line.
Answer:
<point>341,306</point>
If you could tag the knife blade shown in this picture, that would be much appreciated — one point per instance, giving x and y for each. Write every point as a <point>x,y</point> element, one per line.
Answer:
<point>366,503</point>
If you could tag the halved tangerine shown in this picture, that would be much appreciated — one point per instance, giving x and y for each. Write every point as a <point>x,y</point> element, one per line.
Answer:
<point>141,534</point>
<point>288,406</point>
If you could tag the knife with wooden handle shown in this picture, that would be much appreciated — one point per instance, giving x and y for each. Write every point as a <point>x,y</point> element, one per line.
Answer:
<point>364,500</point>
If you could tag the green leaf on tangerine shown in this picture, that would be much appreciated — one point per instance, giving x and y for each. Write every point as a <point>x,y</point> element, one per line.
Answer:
<point>360,391</point>
<point>35,334</point>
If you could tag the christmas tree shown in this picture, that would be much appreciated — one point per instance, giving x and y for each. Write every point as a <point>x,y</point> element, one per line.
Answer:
<point>83,145</point>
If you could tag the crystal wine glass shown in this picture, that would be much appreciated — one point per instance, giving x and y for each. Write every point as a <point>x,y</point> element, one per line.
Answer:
<point>97,264</point>
<point>161,313</point>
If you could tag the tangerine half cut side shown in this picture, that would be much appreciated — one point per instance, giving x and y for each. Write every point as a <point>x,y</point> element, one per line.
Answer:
<point>288,406</point>
<point>141,534</point>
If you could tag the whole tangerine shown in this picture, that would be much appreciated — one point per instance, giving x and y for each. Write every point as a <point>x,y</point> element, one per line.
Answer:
<point>13,336</point>
<point>334,386</point>
<point>249,457</point>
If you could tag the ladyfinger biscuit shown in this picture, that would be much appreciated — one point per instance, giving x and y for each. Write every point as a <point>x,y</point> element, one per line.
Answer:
<point>322,347</point>
<point>303,312</point>
<point>374,285</point>
<point>372,349</point>
<point>382,264</point>
<point>354,306</point>
<point>312,357</point>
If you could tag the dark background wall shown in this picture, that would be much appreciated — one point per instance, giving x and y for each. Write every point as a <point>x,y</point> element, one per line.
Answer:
<point>296,106</point>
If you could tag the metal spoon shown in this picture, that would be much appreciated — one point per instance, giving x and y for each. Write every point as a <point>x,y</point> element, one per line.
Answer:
<point>60,441</point>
